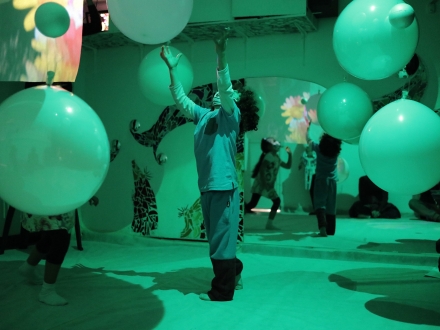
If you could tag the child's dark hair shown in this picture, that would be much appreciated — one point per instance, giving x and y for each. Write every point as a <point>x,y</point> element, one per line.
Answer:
<point>248,109</point>
<point>329,146</point>
<point>266,147</point>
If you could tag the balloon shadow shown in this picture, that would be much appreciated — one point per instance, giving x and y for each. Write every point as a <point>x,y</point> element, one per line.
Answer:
<point>97,297</point>
<point>405,294</point>
<point>419,246</point>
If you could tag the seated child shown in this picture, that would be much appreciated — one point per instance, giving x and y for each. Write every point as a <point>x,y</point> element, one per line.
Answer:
<point>425,207</point>
<point>373,202</point>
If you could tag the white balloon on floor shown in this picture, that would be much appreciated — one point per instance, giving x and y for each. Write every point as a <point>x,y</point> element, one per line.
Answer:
<point>154,77</point>
<point>343,110</point>
<point>150,22</point>
<point>54,151</point>
<point>366,43</point>
<point>399,148</point>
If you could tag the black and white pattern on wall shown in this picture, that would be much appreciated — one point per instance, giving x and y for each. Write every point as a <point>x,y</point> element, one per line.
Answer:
<point>169,119</point>
<point>144,201</point>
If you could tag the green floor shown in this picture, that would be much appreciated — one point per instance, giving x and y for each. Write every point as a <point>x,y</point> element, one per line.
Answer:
<point>292,280</point>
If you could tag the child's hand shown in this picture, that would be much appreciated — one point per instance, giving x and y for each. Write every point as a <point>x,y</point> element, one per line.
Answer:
<point>288,150</point>
<point>170,60</point>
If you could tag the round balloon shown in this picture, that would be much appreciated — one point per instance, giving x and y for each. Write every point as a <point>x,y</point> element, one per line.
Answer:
<point>399,148</point>
<point>52,19</point>
<point>154,77</point>
<point>150,22</point>
<point>343,110</point>
<point>343,170</point>
<point>54,151</point>
<point>401,15</point>
<point>367,45</point>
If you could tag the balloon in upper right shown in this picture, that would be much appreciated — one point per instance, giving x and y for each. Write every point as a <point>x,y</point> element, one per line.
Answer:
<point>367,43</point>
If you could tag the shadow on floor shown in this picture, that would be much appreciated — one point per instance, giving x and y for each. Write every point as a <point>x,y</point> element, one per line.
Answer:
<point>417,246</point>
<point>406,295</point>
<point>97,297</point>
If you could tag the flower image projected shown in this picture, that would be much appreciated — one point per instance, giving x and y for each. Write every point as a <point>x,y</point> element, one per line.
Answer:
<point>297,119</point>
<point>293,108</point>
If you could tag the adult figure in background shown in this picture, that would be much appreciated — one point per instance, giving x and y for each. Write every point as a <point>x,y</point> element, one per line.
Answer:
<point>425,207</point>
<point>373,202</point>
<point>215,138</point>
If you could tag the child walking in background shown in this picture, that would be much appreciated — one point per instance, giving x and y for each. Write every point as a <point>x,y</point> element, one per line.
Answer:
<point>326,176</point>
<point>265,174</point>
<point>53,245</point>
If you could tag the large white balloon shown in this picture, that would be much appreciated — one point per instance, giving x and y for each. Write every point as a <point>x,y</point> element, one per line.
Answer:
<point>367,45</point>
<point>343,110</point>
<point>54,151</point>
<point>150,22</point>
<point>399,148</point>
<point>154,77</point>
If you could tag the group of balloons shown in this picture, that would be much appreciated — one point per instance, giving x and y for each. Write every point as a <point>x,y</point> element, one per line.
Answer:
<point>399,145</point>
<point>54,149</point>
<point>155,22</point>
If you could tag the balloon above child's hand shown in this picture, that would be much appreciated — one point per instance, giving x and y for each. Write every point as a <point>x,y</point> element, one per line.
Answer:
<point>52,20</point>
<point>150,22</point>
<point>366,43</point>
<point>154,77</point>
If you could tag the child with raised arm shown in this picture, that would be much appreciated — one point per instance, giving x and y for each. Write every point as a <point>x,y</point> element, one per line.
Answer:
<point>326,176</point>
<point>215,138</point>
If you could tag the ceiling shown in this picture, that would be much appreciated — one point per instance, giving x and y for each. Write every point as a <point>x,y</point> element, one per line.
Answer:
<point>240,28</point>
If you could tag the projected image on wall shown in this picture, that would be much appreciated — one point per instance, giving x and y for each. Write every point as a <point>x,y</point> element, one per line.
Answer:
<point>31,44</point>
<point>300,114</point>
<point>290,108</point>
<point>290,105</point>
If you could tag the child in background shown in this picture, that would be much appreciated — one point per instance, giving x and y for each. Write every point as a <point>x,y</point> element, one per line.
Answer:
<point>265,174</point>
<point>326,176</point>
<point>53,245</point>
<point>308,162</point>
